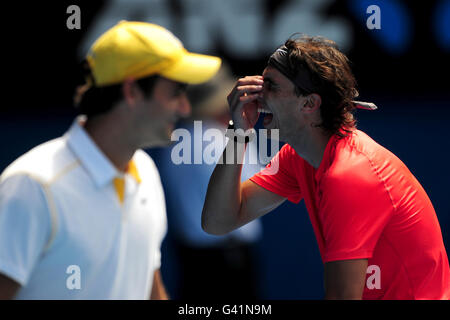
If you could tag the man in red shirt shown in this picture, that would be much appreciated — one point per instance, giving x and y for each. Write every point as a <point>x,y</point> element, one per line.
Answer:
<point>376,228</point>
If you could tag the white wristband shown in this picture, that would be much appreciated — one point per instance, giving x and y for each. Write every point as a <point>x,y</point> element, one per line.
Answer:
<point>239,135</point>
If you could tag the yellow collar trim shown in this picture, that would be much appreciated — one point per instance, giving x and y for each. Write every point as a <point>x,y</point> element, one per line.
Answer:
<point>119,182</point>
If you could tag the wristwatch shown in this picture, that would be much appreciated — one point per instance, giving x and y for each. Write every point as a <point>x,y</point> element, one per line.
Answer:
<point>239,135</point>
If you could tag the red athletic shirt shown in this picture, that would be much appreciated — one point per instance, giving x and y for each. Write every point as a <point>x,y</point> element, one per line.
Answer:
<point>363,202</point>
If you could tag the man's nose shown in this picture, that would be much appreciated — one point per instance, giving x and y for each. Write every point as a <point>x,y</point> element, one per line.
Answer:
<point>260,100</point>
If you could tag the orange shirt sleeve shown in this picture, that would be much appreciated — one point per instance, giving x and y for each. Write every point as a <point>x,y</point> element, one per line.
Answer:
<point>279,176</point>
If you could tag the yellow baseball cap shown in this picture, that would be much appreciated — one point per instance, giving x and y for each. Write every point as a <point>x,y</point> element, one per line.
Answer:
<point>139,49</point>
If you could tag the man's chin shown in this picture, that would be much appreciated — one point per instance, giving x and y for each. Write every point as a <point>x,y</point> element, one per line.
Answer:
<point>167,143</point>
<point>157,143</point>
<point>273,133</point>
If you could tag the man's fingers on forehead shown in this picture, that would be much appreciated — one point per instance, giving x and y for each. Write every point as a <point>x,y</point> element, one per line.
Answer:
<point>249,97</point>
<point>249,88</point>
<point>254,76</point>
<point>250,80</point>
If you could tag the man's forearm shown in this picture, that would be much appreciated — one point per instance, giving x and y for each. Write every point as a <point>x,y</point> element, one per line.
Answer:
<point>345,279</point>
<point>158,290</point>
<point>223,199</point>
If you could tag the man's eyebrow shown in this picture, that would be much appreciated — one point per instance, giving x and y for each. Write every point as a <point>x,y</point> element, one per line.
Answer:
<point>181,86</point>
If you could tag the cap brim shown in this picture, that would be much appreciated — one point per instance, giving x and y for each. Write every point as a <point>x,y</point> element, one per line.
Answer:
<point>193,68</point>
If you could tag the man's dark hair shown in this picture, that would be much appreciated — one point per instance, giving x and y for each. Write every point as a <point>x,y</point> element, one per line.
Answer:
<point>331,77</point>
<point>92,100</point>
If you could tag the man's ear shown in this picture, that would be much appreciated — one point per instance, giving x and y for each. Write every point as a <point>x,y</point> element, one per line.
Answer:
<point>312,103</point>
<point>131,92</point>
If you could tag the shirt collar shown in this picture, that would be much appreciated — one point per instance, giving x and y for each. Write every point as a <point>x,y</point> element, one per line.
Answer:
<point>98,166</point>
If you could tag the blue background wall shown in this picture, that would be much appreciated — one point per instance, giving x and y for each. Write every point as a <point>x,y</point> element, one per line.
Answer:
<point>400,67</point>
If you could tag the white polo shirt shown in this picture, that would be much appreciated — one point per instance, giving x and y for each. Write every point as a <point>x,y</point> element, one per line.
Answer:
<point>60,214</point>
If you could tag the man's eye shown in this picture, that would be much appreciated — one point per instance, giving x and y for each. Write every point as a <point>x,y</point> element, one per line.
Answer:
<point>179,90</point>
<point>270,86</point>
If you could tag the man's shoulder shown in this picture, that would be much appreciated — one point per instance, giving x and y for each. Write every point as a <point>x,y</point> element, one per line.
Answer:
<point>42,163</point>
<point>142,158</point>
<point>145,164</point>
<point>287,152</point>
<point>356,159</point>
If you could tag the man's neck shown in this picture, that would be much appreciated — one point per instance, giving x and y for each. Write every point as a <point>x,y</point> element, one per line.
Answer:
<point>310,145</point>
<point>112,141</point>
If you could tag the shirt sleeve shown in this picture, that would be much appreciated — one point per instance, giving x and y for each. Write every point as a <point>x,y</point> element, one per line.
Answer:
<point>279,176</point>
<point>25,226</point>
<point>353,210</point>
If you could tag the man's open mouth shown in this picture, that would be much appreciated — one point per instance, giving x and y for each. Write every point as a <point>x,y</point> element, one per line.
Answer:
<point>268,116</point>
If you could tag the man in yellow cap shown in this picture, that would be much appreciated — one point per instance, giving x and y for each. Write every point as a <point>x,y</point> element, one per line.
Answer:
<point>83,216</point>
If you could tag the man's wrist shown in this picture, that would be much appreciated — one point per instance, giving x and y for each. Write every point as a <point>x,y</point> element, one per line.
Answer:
<point>239,135</point>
